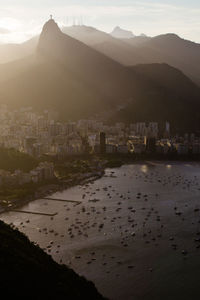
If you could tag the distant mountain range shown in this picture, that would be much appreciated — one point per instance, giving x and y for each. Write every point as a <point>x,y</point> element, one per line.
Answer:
<point>120,33</point>
<point>11,52</point>
<point>166,48</point>
<point>124,47</point>
<point>79,72</point>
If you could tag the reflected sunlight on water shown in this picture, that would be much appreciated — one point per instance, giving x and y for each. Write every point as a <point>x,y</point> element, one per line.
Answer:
<point>134,234</point>
<point>144,168</point>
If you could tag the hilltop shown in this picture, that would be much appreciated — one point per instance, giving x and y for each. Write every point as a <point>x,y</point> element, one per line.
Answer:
<point>78,81</point>
<point>28,272</point>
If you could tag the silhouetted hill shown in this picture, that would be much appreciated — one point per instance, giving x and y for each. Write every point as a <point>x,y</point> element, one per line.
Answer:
<point>11,52</point>
<point>180,53</point>
<point>66,75</point>
<point>121,33</point>
<point>47,85</point>
<point>78,81</point>
<point>103,42</point>
<point>171,49</point>
<point>29,273</point>
<point>88,63</point>
<point>92,36</point>
<point>169,77</point>
<point>172,97</point>
<point>166,48</point>
<point>88,35</point>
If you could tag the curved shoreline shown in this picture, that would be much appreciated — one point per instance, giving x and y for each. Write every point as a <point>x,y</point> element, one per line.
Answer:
<point>49,189</point>
<point>79,179</point>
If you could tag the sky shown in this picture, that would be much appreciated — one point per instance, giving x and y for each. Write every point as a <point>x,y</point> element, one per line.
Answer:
<point>22,19</point>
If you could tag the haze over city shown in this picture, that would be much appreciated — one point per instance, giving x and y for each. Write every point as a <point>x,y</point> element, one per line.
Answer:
<point>20,20</point>
<point>100,149</point>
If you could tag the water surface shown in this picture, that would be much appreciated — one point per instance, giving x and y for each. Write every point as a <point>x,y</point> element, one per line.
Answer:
<point>136,233</point>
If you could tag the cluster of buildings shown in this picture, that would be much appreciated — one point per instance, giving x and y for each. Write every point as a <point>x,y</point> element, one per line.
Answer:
<point>45,171</point>
<point>142,145</point>
<point>41,133</point>
<point>181,145</point>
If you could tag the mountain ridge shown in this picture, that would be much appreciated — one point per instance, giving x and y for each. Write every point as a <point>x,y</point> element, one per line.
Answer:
<point>121,33</point>
<point>78,81</point>
<point>42,278</point>
<point>164,48</point>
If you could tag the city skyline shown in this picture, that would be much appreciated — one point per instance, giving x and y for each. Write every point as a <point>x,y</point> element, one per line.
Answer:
<point>21,21</point>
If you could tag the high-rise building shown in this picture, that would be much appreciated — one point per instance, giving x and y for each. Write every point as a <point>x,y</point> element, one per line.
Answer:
<point>102,142</point>
<point>151,144</point>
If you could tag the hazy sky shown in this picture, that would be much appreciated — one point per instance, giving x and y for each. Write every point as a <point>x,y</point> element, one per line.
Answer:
<point>21,19</point>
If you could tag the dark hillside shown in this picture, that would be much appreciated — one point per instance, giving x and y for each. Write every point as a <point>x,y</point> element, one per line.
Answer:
<point>29,273</point>
<point>79,82</point>
<point>167,95</point>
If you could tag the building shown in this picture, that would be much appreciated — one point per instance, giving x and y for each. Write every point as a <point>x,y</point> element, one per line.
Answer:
<point>111,148</point>
<point>182,149</point>
<point>151,145</point>
<point>123,148</point>
<point>102,142</point>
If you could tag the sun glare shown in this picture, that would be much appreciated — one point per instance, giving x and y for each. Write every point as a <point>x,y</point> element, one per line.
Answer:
<point>10,24</point>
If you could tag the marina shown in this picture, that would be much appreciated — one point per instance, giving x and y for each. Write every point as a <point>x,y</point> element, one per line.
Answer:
<point>135,232</point>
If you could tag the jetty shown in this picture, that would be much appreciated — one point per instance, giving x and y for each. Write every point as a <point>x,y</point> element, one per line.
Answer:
<point>34,213</point>
<point>62,200</point>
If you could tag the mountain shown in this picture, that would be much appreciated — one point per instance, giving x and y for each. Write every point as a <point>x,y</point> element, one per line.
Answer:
<point>22,262</point>
<point>180,53</point>
<point>137,40</point>
<point>120,33</point>
<point>11,52</point>
<point>103,42</point>
<point>66,75</point>
<point>172,97</point>
<point>173,50</point>
<point>121,50</point>
<point>88,63</point>
<point>47,85</point>
<point>166,48</point>
<point>86,34</point>
<point>79,82</point>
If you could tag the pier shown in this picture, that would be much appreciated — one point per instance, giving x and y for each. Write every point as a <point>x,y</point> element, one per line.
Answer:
<point>62,200</point>
<point>34,213</point>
